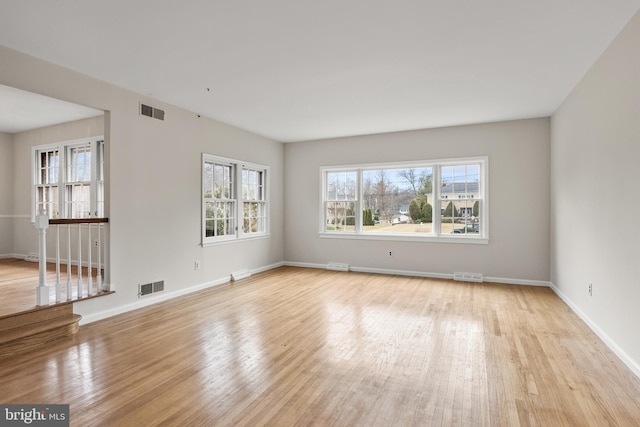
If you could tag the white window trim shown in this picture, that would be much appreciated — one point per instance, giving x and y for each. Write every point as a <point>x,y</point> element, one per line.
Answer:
<point>239,234</point>
<point>358,234</point>
<point>62,148</point>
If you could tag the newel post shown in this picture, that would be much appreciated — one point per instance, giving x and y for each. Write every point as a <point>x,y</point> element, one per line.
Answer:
<point>42,223</point>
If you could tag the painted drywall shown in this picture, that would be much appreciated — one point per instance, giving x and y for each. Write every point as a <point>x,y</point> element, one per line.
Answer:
<point>518,154</point>
<point>6,194</point>
<point>153,193</point>
<point>25,236</point>
<point>595,149</point>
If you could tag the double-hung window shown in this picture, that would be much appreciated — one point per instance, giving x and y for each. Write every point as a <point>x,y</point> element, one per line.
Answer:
<point>439,200</point>
<point>234,200</point>
<point>254,203</point>
<point>68,179</point>
<point>340,200</point>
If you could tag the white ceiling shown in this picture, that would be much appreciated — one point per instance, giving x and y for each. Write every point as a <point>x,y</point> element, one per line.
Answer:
<point>298,70</point>
<point>21,110</point>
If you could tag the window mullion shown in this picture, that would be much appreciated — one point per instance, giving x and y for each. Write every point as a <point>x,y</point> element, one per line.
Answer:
<point>358,203</point>
<point>436,209</point>
<point>62,181</point>
<point>93,191</point>
<point>239,201</point>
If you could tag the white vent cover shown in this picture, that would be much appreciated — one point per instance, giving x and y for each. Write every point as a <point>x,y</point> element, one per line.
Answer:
<point>468,277</point>
<point>240,274</point>
<point>338,266</point>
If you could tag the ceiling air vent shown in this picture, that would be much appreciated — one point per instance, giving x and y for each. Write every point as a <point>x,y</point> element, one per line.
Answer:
<point>149,111</point>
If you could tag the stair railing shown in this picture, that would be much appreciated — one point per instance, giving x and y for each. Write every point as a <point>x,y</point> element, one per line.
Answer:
<point>84,239</point>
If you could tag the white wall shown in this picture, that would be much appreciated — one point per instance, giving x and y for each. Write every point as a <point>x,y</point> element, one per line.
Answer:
<point>25,236</point>
<point>595,150</point>
<point>153,196</point>
<point>519,200</point>
<point>6,195</point>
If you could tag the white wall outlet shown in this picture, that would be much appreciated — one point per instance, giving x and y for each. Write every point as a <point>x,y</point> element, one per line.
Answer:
<point>196,264</point>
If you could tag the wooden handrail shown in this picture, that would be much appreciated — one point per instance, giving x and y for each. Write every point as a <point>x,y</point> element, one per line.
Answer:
<point>61,221</point>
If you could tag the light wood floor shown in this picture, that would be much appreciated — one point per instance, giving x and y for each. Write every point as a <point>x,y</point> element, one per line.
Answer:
<point>19,279</point>
<point>313,347</point>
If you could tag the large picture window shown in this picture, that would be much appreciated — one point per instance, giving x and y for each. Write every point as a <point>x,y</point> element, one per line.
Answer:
<point>431,200</point>
<point>68,179</point>
<point>234,200</point>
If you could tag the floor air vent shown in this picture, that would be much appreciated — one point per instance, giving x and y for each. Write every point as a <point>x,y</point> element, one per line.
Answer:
<point>150,288</point>
<point>468,277</point>
<point>338,266</point>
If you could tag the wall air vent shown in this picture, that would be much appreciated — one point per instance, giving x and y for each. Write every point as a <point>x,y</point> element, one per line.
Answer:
<point>338,266</point>
<point>158,114</point>
<point>145,289</point>
<point>240,274</point>
<point>150,288</point>
<point>468,277</point>
<point>158,286</point>
<point>146,110</point>
<point>149,111</point>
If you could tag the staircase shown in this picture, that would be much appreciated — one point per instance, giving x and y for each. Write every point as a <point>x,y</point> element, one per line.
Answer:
<point>27,330</point>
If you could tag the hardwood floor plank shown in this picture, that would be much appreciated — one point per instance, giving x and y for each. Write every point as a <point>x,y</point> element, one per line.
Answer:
<point>302,347</point>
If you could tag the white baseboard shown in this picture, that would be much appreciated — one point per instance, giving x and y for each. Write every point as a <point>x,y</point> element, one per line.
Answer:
<point>426,274</point>
<point>402,272</point>
<point>147,301</point>
<point>613,346</point>
<point>16,256</point>
<point>305,265</point>
<point>160,297</point>
<point>267,267</point>
<point>523,282</point>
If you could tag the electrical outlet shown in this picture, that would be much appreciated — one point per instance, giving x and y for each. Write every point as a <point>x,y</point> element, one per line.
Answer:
<point>196,264</point>
<point>590,289</point>
<point>390,253</point>
<point>95,243</point>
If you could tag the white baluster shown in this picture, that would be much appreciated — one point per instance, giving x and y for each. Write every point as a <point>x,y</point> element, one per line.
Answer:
<point>98,254</point>
<point>69,290</point>
<point>42,222</point>
<point>79,261</point>
<point>58,288</point>
<point>89,266</point>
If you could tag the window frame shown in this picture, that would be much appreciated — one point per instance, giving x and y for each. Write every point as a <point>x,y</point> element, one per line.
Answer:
<point>436,235</point>
<point>237,200</point>
<point>96,182</point>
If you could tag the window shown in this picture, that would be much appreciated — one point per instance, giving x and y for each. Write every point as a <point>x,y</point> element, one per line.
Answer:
<point>233,190</point>
<point>340,200</point>
<point>253,201</point>
<point>430,200</point>
<point>69,179</point>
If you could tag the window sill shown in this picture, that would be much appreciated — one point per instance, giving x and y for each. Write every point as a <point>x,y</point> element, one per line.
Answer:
<point>235,240</point>
<point>408,238</point>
